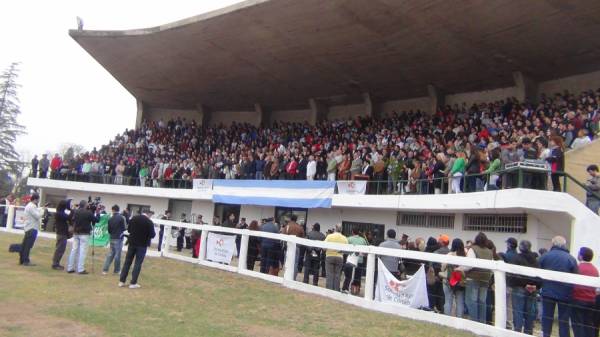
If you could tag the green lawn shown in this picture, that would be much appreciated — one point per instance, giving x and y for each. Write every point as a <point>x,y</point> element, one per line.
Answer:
<point>176,299</point>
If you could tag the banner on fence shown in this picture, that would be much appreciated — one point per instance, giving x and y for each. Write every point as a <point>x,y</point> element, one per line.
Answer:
<point>19,218</point>
<point>202,184</point>
<point>352,187</point>
<point>101,238</point>
<point>220,248</point>
<point>411,293</point>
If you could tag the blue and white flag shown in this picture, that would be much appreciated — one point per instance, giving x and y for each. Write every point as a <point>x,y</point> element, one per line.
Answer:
<point>284,193</point>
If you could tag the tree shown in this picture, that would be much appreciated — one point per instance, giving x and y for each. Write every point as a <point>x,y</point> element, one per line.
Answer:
<point>68,151</point>
<point>9,127</point>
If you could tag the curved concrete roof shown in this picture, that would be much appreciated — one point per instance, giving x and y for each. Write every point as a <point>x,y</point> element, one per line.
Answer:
<point>280,53</point>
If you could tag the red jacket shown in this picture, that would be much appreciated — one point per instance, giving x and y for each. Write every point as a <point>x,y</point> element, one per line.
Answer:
<point>583,293</point>
<point>55,164</point>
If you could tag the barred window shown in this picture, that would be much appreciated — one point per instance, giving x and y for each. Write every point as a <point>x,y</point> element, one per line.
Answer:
<point>500,223</point>
<point>425,220</point>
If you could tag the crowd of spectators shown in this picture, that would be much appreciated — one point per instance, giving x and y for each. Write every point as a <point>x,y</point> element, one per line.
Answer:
<point>409,152</point>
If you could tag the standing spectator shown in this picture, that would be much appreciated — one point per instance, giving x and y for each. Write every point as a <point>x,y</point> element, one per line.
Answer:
<point>141,232</point>
<point>478,280</point>
<point>584,298</point>
<point>293,228</point>
<point>116,227</point>
<point>44,166</point>
<point>270,250</point>
<point>557,161</point>
<point>312,255</point>
<point>55,166</point>
<point>334,259</point>
<point>253,246</point>
<point>457,172</point>
<point>83,221</point>
<point>119,171</point>
<point>34,166</point>
<point>391,262</point>
<point>593,189</point>
<point>144,172</point>
<point>523,289</point>
<point>311,168</point>
<point>557,293</point>
<point>331,167</point>
<point>454,289</point>
<point>351,272</point>
<point>161,230</point>
<point>436,291</point>
<point>63,217</point>
<point>33,217</point>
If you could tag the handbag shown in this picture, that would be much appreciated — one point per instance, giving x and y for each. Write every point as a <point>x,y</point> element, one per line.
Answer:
<point>352,259</point>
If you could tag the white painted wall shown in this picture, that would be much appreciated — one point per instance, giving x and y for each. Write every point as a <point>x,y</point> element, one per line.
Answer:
<point>575,84</point>
<point>414,104</point>
<point>481,96</point>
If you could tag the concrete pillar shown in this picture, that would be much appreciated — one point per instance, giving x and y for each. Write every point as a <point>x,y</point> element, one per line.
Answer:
<point>436,97</point>
<point>372,106</point>
<point>205,114</point>
<point>319,111</point>
<point>139,117</point>
<point>527,87</point>
<point>263,115</point>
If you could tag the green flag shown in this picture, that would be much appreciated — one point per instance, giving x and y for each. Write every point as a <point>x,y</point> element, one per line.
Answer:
<point>100,235</point>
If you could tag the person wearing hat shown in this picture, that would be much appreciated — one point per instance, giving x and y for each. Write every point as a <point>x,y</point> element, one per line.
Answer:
<point>33,217</point>
<point>592,188</point>
<point>436,290</point>
<point>523,289</point>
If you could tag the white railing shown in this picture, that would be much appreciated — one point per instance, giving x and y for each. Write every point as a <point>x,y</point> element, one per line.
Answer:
<point>499,269</point>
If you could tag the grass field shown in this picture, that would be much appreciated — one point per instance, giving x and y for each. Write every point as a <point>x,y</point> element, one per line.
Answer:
<point>176,299</point>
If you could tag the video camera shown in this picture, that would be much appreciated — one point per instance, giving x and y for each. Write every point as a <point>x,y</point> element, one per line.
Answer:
<point>93,204</point>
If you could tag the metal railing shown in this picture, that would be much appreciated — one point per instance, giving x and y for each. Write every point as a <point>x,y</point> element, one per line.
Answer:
<point>516,177</point>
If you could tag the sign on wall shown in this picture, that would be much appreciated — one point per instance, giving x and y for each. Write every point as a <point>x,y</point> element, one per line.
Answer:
<point>411,293</point>
<point>352,187</point>
<point>202,184</point>
<point>220,248</point>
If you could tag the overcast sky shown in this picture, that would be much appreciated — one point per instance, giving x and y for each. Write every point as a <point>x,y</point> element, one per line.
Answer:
<point>66,96</point>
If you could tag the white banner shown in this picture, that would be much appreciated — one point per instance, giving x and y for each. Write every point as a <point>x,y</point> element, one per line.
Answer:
<point>220,248</point>
<point>352,186</point>
<point>202,184</point>
<point>411,293</point>
<point>19,218</point>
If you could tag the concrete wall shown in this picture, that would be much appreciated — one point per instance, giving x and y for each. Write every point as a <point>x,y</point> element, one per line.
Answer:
<point>574,84</point>
<point>155,114</point>
<point>419,103</point>
<point>481,96</point>
<point>576,162</point>
<point>346,111</point>
<point>297,116</point>
<point>227,117</point>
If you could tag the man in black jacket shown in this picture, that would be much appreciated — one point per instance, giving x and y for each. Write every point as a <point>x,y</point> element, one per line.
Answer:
<point>83,221</point>
<point>116,227</point>
<point>141,232</point>
<point>523,288</point>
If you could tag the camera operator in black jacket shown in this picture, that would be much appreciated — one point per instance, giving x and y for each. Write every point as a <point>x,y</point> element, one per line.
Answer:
<point>83,222</point>
<point>141,232</point>
<point>63,218</point>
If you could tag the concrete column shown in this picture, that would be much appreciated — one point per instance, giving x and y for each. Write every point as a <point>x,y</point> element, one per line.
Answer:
<point>372,106</point>
<point>205,114</point>
<point>500,299</point>
<point>290,262</point>
<point>319,111</point>
<point>436,97</point>
<point>527,87</point>
<point>370,277</point>
<point>263,115</point>
<point>139,117</point>
<point>243,253</point>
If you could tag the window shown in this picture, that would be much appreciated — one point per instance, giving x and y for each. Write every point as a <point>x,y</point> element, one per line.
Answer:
<point>500,223</point>
<point>374,233</point>
<point>283,214</point>
<point>135,209</point>
<point>223,211</point>
<point>425,220</point>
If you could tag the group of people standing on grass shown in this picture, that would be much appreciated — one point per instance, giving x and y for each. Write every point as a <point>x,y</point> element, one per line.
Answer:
<point>77,224</point>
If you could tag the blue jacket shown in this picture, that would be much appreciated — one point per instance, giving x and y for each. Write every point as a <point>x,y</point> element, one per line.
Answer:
<point>558,259</point>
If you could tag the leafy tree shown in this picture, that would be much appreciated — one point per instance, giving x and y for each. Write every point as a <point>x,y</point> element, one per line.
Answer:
<point>68,151</point>
<point>9,111</point>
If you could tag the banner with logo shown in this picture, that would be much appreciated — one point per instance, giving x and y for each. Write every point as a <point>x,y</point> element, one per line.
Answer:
<point>411,293</point>
<point>352,187</point>
<point>202,184</point>
<point>220,248</point>
<point>19,218</point>
<point>100,237</point>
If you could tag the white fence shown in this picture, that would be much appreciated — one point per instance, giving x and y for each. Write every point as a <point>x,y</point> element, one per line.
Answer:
<point>499,269</point>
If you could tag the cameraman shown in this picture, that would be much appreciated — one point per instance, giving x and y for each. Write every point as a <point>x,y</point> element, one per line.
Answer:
<point>83,222</point>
